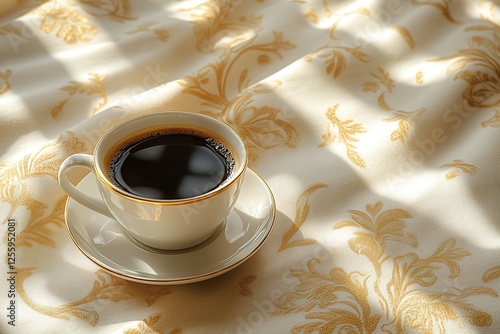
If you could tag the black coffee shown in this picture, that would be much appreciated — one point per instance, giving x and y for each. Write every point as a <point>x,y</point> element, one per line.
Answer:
<point>173,164</point>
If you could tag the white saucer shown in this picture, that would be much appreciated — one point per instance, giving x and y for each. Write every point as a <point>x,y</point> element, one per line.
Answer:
<point>104,242</point>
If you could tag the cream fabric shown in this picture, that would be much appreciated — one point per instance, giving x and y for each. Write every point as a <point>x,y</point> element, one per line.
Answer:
<point>375,124</point>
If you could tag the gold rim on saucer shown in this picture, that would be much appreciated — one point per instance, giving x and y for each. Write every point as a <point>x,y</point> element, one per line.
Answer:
<point>235,241</point>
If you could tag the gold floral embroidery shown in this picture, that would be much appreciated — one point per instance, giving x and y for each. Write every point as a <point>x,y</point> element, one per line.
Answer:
<point>442,5</point>
<point>336,57</point>
<point>14,187</point>
<point>346,132</point>
<point>318,295</point>
<point>261,127</point>
<point>94,87</point>
<point>333,28</point>
<point>335,54</point>
<point>381,227</point>
<point>404,119</point>
<point>407,300</point>
<point>4,76</point>
<point>491,274</point>
<point>311,15</point>
<point>37,230</point>
<point>218,73</point>
<point>117,10</point>
<point>459,165</point>
<point>405,34</point>
<point>161,34</point>
<point>478,66</point>
<point>244,283</point>
<point>106,288</point>
<point>425,311</point>
<point>301,213</point>
<point>382,77</point>
<point>419,78</point>
<point>71,26</point>
<point>328,12</point>
<point>384,82</point>
<point>382,103</point>
<point>215,28</point>
<point>146,327</point>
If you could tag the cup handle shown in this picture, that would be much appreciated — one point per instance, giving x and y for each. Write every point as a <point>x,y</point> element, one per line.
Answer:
<point>91,202</point>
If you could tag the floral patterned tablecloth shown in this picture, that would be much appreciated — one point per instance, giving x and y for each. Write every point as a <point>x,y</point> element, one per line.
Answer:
<point>375,123</point>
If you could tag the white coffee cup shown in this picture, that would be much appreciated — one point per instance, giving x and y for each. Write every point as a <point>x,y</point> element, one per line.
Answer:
<point>160,223</point>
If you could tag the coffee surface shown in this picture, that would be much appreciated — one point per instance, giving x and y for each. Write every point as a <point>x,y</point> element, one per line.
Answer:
<point>171,165</point>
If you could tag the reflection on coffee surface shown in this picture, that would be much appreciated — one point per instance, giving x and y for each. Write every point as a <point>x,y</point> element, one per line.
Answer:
<point>171,164</point>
